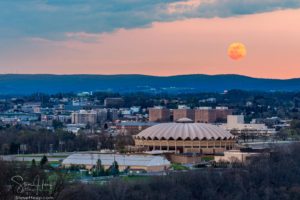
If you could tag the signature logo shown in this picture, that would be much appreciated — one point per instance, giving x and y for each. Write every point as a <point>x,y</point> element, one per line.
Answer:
<point>36,187</point>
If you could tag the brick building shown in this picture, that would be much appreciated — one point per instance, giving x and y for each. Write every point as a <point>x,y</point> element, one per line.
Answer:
<point>183,113</point>
<point>210,115</point>
<point>159,114</point>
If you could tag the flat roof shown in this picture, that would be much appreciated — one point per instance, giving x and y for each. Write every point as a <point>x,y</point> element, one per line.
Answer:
<point>122,159</point>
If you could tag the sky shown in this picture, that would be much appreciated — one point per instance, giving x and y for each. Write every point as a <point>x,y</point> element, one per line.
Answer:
<point>154,37</point>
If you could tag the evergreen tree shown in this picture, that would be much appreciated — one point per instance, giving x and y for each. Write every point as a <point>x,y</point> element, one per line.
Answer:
<point>114,169</point>
<point>33,171</point>
<point>99,169</point>
<point>57,124</point>
<point>33,163</point>
<point>43,161</point>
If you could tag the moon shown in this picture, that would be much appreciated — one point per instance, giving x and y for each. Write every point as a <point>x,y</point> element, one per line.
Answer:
<point>237,51</point>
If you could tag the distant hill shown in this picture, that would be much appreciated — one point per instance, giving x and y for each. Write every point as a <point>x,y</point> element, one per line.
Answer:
<point>26,84</point>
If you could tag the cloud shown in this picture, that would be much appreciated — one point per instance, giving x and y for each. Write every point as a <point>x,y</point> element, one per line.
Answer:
<point>61,19</point>
<point>54,18</point>
<point>228,8</point>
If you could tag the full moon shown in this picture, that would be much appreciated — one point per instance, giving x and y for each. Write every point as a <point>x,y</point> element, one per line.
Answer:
<point>236,51</point>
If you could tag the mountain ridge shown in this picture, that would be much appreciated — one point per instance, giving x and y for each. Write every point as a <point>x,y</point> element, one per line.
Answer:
<point>53,83</point>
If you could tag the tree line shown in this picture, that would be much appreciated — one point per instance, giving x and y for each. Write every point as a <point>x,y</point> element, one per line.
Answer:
<point>26,140</point>
<point>275,177</point>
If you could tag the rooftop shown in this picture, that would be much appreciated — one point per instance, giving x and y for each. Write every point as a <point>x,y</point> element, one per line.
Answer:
<point>184,131</point>
<point>122,159</point>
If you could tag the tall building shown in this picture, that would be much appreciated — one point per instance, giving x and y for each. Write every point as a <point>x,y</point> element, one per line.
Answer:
<point>113,102</point>
<point>222,113</point>
<point>84,117</point>
<point>205,115</point>
<point>200,115</point>
<point>102,115</point>
<point>183,113</point>
<point>133,127</point>
<point>113,114</point>
<point>210,115</point>
<point>159,114</point>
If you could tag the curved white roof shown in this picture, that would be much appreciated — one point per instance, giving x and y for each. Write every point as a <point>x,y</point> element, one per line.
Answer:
<point>184,120</point>
<point>184,131</point>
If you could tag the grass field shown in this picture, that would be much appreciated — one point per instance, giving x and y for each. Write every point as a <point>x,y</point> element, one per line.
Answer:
<point>207,158</point>
<point>179,167</point>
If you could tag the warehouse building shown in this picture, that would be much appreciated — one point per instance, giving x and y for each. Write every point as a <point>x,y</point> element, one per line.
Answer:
<point>148,163</point>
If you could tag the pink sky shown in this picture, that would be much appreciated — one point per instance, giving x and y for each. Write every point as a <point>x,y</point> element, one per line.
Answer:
<point>181,47</point>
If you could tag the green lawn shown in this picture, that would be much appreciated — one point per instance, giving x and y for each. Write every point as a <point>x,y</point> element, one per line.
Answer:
<point>179,167</point>
<point>207,158</point>
<point>54,162</point>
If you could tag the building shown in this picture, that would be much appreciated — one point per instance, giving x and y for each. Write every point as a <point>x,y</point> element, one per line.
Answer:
<point>125,111</point>
<point>237,126</point>
<point>242,155</point>
<point>74,128</point>
<point>63,118</point>
<point>269,122</point>
<point>208,100</point>
<point>183,113</point>
<point>102,115</point>
<point>222,113</point>
<point>84,117</point>
<point>200,115</point>
<point>185,136</point>
<point>205,115</point>
<point>132,127</point>
<point>113,102</point>
<point>14,118</point>
<point>210,115</point>
<point>233,120</point>
<point>159,114</point>
<point>31,107</point>
<point>146,163</point>
<point>113,114</point>
<point>135,109</point>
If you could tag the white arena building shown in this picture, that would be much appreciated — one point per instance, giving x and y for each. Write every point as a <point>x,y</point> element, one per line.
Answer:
<point>186,136</point>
